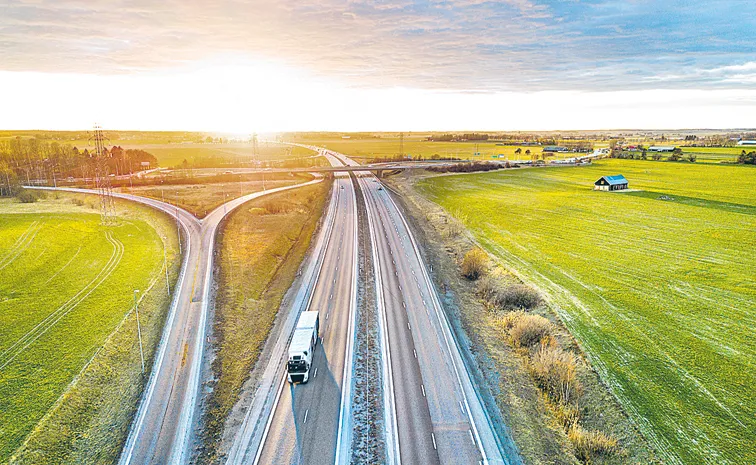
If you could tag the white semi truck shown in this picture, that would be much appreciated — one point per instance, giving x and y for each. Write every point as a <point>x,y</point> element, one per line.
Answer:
<point>302,347</point>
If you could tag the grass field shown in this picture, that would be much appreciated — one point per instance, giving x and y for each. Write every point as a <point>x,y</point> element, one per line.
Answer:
<point>261,248</point>
<point>660,293</point>
<point>66,288</point>
<point>367,149</point>
<point>201,199</point>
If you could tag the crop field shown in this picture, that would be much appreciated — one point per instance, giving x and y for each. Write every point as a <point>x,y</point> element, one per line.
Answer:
<point>231,154</point>
<point>658,285</point>
<point>717,153</point>
<point>201,199</point>
<point>368,149</point>
<point>66,283</point>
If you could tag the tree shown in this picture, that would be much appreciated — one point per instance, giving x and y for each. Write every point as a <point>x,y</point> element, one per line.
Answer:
<point>676,154</point>
<point>747,158</point>
<point>474,264</point>
<point>644,155</point>
<point>692,157</point>
<point>518,151</point>
<point>656,156</point>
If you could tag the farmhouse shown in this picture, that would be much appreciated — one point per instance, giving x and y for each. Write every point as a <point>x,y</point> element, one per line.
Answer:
<point>661,148</point>
<point>554,148</point>
<point>610,183</point>
<point>747,142</point>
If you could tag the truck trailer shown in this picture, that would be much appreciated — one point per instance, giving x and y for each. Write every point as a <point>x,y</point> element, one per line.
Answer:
<point>302,347</point>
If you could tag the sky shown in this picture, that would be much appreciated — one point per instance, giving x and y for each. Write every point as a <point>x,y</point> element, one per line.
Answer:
<point>290,65</point>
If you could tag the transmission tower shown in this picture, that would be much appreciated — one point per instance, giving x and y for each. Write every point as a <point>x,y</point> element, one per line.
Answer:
<point>102,177</point>
<point>254,148</point>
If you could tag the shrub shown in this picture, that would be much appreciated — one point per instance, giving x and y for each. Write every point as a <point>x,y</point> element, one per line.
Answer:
<point>506,295</point>
<point>474,264</point>
<point>555,372</point>
<point>589,444</point>
<point>28,196</point>
<point>519,296</point>
<point>528,330</point>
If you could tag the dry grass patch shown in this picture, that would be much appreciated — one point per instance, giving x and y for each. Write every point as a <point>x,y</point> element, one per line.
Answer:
<point>474,264</point>
<point>554,369</point>
<point>589,444</point>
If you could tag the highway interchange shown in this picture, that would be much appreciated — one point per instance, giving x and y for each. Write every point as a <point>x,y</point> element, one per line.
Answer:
<point>431,410</point>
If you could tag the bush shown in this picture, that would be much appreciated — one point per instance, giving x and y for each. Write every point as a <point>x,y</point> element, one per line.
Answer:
<point>528,330</point>
<point>589,444</point>
<point>508,296</point>
<point>555,372</point>
<point>29,196</point>
<point>519,296</point>
<point>474,264</point>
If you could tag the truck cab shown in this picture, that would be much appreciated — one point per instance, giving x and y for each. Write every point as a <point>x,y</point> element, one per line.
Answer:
<point>302,347</point>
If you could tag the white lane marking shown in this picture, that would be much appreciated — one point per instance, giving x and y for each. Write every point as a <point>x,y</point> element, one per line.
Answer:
<point>423,388</point>
<point>408,326</point>
<point>404,304</point>
<point>327,315</point>
<point>315,375</point>
<point>330,297</point>
<point>414,352</point>
<point>305,418</point>
<point>433,436</point>
<point>471,436</point>
<point>461,407</point>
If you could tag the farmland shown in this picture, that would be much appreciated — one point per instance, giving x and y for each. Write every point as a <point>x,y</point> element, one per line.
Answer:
<point>228,154</point>
<point>366,150</point>
<point>201,198</point>
<point>388,145</point>
<point>657,285</point>
<point>68,353</point>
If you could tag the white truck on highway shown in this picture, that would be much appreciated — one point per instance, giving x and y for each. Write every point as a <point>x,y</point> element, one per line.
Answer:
<point>302,347</point>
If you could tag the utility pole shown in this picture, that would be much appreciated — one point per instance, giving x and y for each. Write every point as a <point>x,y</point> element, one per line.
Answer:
<point>401,145</point>
<point>165,266</point>
<point>139,328</point>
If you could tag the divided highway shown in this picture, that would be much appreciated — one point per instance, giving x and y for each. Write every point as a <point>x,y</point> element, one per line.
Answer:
<point>438,415</point>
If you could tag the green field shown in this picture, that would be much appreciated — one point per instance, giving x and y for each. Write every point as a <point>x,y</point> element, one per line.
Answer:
<point>235,154</point>
<point>416,146</point>
<point>661,294</point>
<point>66,284</point>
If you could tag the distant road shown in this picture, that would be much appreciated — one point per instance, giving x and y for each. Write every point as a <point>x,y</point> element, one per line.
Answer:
<point>166,417</point>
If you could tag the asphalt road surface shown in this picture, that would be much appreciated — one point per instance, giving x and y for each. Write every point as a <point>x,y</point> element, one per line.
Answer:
<point>305,423</point>
<point>439,418</point>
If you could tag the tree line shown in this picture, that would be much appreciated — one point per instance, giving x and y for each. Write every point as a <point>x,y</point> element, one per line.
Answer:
<point>44,162</point>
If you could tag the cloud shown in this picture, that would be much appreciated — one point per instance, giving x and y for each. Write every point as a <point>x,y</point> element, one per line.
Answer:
<point>515,45</point>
